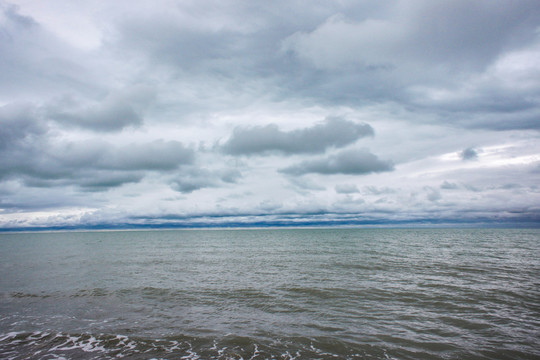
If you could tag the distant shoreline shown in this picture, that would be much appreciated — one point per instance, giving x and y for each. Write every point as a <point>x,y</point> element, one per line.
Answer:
<point>122,228</point>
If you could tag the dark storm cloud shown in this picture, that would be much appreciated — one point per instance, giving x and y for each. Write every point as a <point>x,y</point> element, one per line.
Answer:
<point>351,162</point>
<point>333,132</point>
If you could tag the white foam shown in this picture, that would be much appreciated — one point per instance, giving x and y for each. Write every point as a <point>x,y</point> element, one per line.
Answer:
<point>174,346</point>
<point>221,351</point>
<point>9,335</point>
<point>75,342</point>
<point>287,355</point>
<point>255,352</point>
<point>192,355</point>
<point>58,357</point>
<point>93,345</point>
<point>125,342</point>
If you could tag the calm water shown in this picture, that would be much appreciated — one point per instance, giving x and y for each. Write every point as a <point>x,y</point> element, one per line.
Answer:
<point>262,294</point>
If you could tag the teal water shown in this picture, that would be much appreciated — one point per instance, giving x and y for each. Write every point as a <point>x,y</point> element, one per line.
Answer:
<point>263,294</point>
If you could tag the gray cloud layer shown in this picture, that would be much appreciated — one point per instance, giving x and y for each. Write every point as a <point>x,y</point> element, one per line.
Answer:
<point>29,151</point>
<point>19,126</point>
<point>333,132</point>
<point>342,54</point>
<point>108,107</point>
<point>350,162</point>
<point>346,189</point>
<point>110,116</point>
<point>196,179</point>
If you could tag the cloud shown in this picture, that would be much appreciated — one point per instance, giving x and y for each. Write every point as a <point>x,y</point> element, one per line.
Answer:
<point>432,194</point>
<point>346,189</point>
<point>121,111</point>
<point>189,184</point>
<point>373,190</point>
<point>458,34</point>
<point>193,179</point>
<point>87,180</point>
<point>333,132</point>
<point>156,155</point>
<point>167,40</point>
<point>472,64</point>
<point>230,176</point>
<point>36,64</point>
<point>65,160</point>
<point>117,111</point>
<point>501,97</point>
<point>449,186</point>
<point>469,154</point>
<point>19,125</point>
<point>305,185</point>
<point>350,162</point>
<point>32,153</point>
<point>110,116</point>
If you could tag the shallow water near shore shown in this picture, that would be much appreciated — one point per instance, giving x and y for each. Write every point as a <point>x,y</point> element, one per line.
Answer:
<point>271,293</point>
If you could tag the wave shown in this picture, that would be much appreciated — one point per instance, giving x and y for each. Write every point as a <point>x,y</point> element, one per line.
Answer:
<point>55,345</point>
<point>58,345</point>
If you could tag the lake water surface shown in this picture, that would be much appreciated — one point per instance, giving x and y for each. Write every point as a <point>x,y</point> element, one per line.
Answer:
<point>271,293</point>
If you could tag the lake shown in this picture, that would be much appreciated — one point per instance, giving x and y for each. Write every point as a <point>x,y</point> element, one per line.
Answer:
<point>271,294</point>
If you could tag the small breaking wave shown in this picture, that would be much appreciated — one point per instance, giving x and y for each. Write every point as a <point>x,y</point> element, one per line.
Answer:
<point>57,345</point>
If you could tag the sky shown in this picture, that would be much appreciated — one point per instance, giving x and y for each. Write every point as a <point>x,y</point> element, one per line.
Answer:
<point>258,113</point>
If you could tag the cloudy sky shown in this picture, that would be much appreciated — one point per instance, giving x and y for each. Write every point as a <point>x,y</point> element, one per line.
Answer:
<point>190,113</point>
